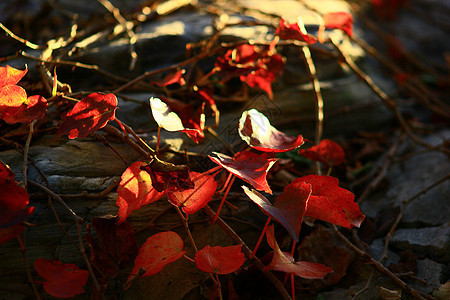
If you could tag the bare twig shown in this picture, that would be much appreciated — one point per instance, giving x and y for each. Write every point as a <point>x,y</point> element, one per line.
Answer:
<point>365,287</point>
<point>74,64</point>
<point>127,26</point>
<point>382,171</point>
<point>25,154</point>
<point>379,266</point>
<point>59,199</point>
<point>386,100</point>
<point>27,267</point>
<point>19,39</point>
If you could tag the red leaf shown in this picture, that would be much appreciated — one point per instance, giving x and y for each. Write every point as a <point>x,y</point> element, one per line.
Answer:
<point>256,131</point>
<point>33,108</point>
<point>289,206</point>
<point>11,98</point>
<point>14,199</point>
<point>237,61</point>
<point>135,190</point>
<point>13,204</point>
<point>295,31</point>
<point>269,67</point>
<point>11,232</point>
<point>327,152</point>
<point>171,78</point>
<point>169,180</point>
<point>114,248</point>
<point>250,167</point>
<point>89,115</point>
<point>219,260</point>
<point>284,262</point>
<point>10,75</point>
<point>158,251</point>
<point>339,20</point>
<point>193,200</point>
<point>62,280</point>
<point>330,203</point>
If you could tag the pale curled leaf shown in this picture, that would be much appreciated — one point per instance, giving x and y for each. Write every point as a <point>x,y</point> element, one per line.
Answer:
<point>255,129</point>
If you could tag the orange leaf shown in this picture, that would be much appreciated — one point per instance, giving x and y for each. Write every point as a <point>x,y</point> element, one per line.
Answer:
<point>10,75</point>
<point>220,260</point>
<point>339,20</point>
<point>135,190</point>
<point>192,200</point>
<point>158,251</point>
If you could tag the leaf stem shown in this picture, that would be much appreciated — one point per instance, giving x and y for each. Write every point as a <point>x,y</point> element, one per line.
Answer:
<point>378,265</point>
<point>223,198</point>
<point>260,237</point>
<point>27,268</point>
<point>158,139</point>
<point>259,265</point>
<point>25,155</point>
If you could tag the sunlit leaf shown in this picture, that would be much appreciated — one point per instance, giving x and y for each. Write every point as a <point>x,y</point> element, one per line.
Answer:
<point>10,75</point>
<point>62,280</point>
<point>158,251</point>
<point>135,190</point>
<point>255,129</point>
<point>164,116</point>
<point>192,200</point>
<point>339,20</point>
<point>34,108</point>
<point>330,203</point>
<point>250,167</point>
<point>220,260</point>
<point>294,31</point>
<point>11,98</point>
<point>89,115</point>
<point>327,152</point>
<point>171,78</point>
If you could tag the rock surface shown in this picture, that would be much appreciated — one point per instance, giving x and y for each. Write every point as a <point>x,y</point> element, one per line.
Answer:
<point>432,242</point>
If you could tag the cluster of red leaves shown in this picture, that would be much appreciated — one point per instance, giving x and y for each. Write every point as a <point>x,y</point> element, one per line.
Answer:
<point>113,245</point>
<point>256,66</point>
<point>15,106</point>
<point>14,207</point>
